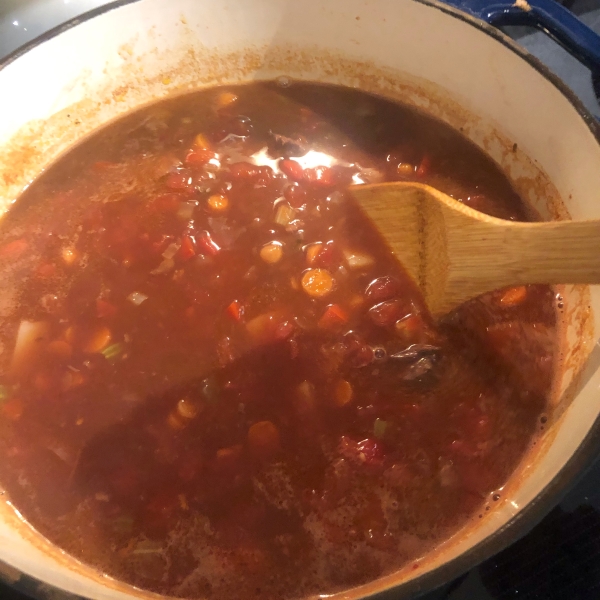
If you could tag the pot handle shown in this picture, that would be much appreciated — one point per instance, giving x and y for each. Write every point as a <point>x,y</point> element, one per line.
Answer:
<point>547,15</point>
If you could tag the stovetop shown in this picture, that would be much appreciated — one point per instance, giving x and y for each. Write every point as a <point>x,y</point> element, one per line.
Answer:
<point>560,558</point>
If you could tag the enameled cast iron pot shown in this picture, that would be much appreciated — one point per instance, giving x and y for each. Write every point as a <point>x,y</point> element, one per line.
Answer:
<point>439,59</point>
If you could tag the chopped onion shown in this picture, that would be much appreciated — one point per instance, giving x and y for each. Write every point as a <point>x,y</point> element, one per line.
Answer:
<point>285,214</point>
<point>137,298</point>
<point>32,338</point>
<point>186,211</point>
<point>165,266</point>
<point>170,251</point>
<point>358,260</point>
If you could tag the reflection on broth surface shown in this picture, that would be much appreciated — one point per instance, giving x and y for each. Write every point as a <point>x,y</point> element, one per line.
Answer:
<point>217,381</point>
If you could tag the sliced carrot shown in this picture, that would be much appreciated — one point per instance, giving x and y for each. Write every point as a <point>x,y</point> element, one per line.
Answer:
<point>271,253</point>
<point>235,311</point>
<point>343,393</point>
<point>317,282</point>
<point>333,318</point>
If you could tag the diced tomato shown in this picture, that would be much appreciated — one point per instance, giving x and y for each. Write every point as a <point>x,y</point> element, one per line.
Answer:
<point>334,317</point>
<point>199,157</point>
<point>235,311</point>
<point>13,249</point>
<point>207,244</point>
<point>105,309</point>
<point>292,169</point>
<point>424,166</point>
<point>187,249</point>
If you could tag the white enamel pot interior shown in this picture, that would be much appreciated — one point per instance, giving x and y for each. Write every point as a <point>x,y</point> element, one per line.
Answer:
<point>65,85</point>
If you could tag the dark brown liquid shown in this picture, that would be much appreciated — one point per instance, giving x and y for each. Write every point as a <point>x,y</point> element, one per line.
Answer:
<point>227,387</point>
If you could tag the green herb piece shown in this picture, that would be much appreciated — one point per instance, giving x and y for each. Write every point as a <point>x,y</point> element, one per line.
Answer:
<point>123,524</point>
<point>379,428</point>
<point>147,547</point>
<point>113,351</point>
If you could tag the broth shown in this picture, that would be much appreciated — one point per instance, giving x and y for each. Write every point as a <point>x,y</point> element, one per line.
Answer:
<point>218,382</point>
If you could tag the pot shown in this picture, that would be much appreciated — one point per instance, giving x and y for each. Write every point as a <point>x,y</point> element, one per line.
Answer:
<point>438,59</point>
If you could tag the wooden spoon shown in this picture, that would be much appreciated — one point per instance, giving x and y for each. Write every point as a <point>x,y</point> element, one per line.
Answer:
<point>455,253</point>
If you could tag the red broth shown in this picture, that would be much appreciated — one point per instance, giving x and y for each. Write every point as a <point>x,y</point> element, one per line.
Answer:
<point>217,381</point>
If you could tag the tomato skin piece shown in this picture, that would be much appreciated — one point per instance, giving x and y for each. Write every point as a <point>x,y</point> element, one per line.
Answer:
<point>333,318</point>
<point>235,311</point>
<point>187,249</point>
<point>105,309</point>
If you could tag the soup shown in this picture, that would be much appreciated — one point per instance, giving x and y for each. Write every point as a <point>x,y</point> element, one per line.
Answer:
<point>216,379</point>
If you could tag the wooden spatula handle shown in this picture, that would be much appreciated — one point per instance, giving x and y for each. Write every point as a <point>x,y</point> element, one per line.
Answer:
<point>557,252</point>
